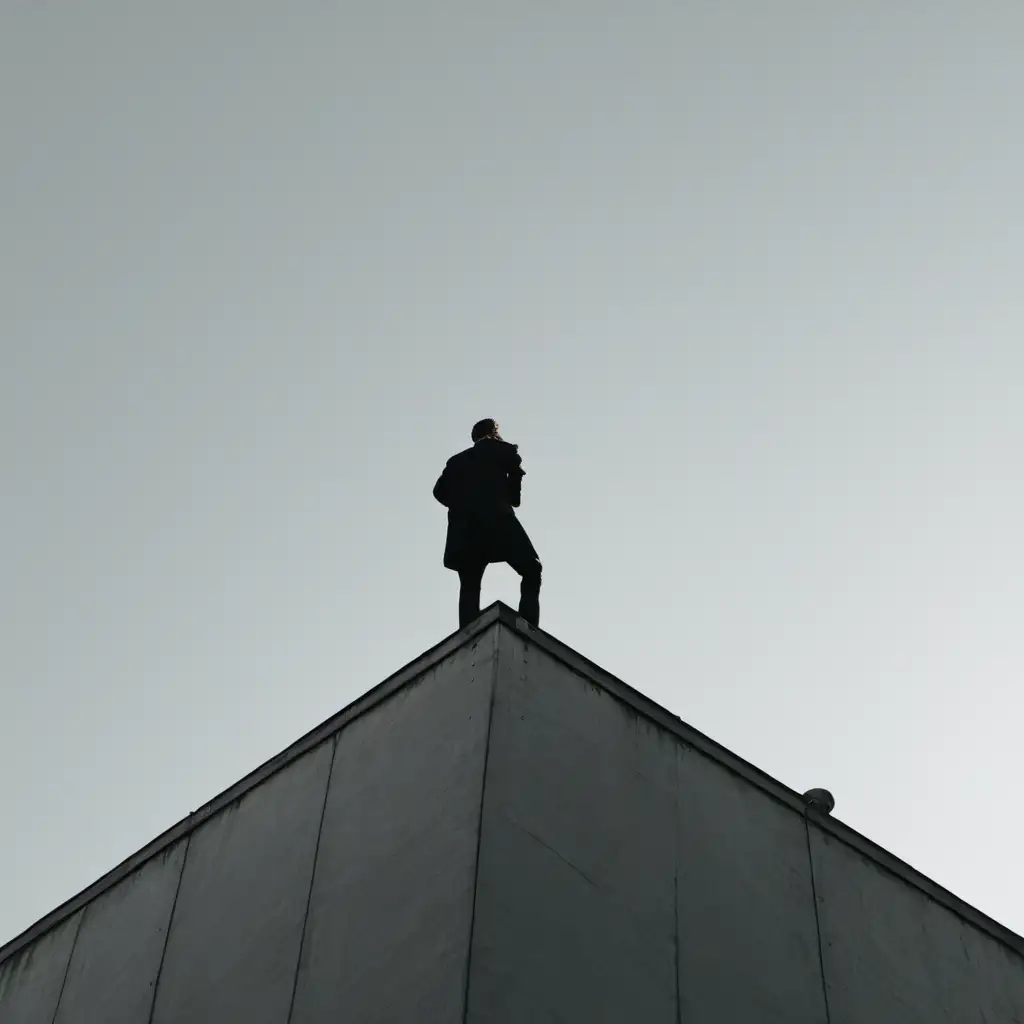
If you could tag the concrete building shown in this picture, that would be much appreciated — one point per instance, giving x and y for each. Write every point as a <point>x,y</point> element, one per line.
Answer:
<point>501,832</point>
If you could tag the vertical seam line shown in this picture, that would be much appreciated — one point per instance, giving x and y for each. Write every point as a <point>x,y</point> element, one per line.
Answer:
<point>817,920</point>
<point>675,879</point>
<point>71,956</point>
<point>312,878</point>
<point>170,925</point>
<point>480,820</point>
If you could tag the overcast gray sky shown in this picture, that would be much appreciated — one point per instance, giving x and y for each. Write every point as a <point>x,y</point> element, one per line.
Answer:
<point>743,281</point>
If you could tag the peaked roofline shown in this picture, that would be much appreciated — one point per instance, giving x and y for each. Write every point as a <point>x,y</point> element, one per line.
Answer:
<point>503,614</point>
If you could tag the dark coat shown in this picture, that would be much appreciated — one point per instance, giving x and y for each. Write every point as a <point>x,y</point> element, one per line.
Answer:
<point>481,487</point>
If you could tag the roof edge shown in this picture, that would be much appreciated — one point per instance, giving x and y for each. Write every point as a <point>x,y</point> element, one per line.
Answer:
<point>578,663</point>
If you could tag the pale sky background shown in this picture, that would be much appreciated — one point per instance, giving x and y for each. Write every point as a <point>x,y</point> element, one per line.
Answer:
<point>742,279</point>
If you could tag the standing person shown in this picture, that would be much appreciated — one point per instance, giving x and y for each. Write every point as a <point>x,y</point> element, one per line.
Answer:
<point>481,487</point>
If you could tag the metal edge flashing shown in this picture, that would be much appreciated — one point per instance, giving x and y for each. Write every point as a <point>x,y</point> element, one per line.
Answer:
<point>771,786</point>
<point>366,702</point>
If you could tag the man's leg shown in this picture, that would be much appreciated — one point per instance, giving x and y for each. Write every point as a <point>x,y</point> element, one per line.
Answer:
<point>470,579</point>
<point>529,589</point>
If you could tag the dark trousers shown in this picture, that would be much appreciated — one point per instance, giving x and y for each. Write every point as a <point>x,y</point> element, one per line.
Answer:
<point>529,591</point>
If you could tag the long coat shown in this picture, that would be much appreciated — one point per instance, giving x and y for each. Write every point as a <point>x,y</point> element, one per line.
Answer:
<point>481,488</point>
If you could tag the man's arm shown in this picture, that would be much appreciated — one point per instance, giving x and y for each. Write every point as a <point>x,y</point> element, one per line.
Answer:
<point>441,488</point>
<point>515,477</point>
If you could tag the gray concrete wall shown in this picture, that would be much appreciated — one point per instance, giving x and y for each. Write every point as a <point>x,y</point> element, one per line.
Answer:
<point>504,834</point>
<point>891,953</point>
<point>387,938</point>
<point>32,979</point>
<point>744,897</point>
<point>120,945</point>
<point>338,888</point>
<point>575,917</point>
<point>627,873</point>
<point>238,919</point>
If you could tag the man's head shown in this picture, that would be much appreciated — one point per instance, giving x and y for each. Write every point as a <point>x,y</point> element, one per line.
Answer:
<point>485,428</point>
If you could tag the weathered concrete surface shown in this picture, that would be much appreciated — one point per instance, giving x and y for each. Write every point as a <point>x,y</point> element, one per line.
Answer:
<point>388,933</point>
<point>575,912</point>
<point>31,981</point>
<point>237,924</point>
<point>120,945</point>
<point>997,978</point>
<point>891,953</point>
<point>745,898</point>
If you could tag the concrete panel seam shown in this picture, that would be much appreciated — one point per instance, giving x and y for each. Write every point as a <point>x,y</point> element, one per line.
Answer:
<point>67,967</point>
<point>170,925</point>
<point>677,787</point>
<point>495,666</point>
<point>817,921</point>
<point>413,670</point>
<point>312,879</point>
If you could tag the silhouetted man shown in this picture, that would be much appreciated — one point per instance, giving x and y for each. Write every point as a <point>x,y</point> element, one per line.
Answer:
<point>481,487</point>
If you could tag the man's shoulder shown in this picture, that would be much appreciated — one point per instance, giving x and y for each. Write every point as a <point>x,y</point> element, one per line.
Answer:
<point>502,452</point>
<point>461,456</point>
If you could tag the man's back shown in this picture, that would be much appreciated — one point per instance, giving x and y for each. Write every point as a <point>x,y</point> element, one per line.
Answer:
<point>486,478</point>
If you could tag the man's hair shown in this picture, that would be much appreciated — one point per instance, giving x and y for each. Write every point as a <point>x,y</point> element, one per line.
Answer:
<point>483,429</point>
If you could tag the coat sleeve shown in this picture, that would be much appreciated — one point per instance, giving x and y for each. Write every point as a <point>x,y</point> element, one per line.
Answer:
<point>441,491</point>
<point>515,476</point>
